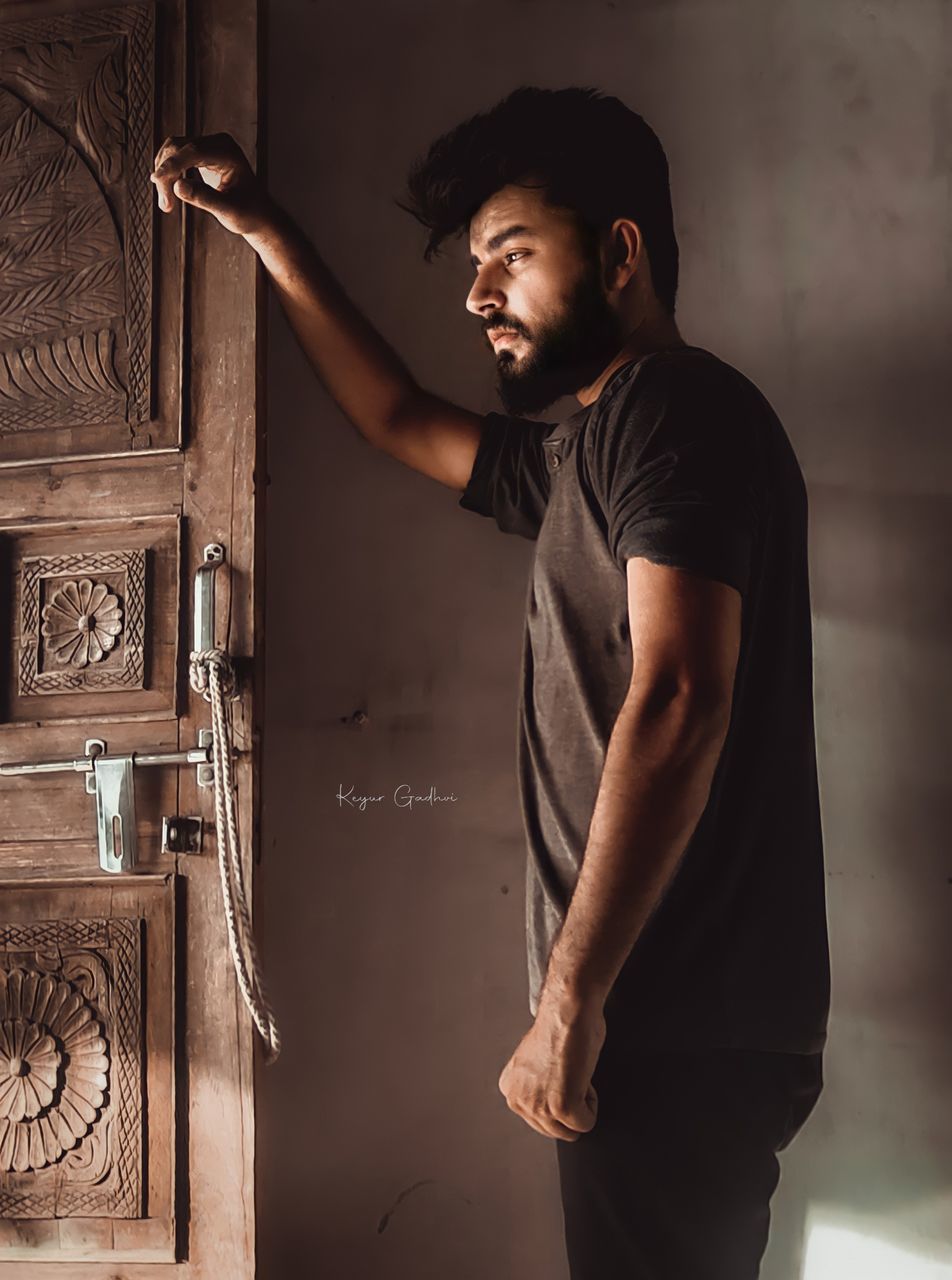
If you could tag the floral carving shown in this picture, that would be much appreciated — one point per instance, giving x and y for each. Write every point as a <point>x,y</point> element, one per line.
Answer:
<point>81,622</point>
<point>29,1061</point>
<point>53,1069</point>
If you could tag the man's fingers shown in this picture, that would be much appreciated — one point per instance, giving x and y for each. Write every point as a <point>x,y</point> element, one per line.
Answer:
<point>176,155</point>
<point>570,1126</point>
<point>552,1128</point>
<point>565,1134</point>
<point>166,149</point>
<point>547,1125</point>
<point>198,193</point>
<point>582,1118</point>
<point>171,161</point>
<point>194,151</point>
<point>172,153</point>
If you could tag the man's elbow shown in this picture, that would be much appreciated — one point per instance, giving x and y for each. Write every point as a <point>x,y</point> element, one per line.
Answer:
<point>692,718</point>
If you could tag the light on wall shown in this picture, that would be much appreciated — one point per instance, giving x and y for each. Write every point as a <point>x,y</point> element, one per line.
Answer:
<point>841,1253</point>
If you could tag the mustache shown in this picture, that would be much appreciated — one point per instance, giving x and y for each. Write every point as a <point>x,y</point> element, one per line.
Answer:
<point>501,322</point>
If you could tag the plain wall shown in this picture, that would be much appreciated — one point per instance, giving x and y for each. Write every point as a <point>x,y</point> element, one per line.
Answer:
<point>809,146</point>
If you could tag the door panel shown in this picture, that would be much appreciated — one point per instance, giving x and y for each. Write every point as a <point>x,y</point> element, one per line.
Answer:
<point>79,292</point>
<point>126,1051</point>
<point>31,844</point>
<point>128,570</point>
<point>86,1135</point>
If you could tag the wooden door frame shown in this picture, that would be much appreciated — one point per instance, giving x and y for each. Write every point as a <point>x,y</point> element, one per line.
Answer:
<point>225,438</point>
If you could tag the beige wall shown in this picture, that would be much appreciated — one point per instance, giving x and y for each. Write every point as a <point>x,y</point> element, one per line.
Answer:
<point>810,154</point>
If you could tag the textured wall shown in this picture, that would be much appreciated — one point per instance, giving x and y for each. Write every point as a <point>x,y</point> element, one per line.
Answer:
<point>810,154</point>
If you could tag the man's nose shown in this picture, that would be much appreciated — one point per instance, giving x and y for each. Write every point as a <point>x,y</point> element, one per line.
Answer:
<point>485,295</point>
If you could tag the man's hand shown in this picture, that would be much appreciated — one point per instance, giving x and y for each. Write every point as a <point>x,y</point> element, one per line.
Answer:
<point>548,1079</point>
<point>239,202</point>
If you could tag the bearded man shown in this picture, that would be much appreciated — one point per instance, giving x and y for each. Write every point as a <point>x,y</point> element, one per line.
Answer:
<point>678,960</point>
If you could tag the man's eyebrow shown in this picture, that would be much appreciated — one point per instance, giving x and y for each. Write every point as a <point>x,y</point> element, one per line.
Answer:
<point>517,229</point>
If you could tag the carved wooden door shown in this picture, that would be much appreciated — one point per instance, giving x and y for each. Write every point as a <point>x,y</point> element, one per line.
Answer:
<point>129,389</point>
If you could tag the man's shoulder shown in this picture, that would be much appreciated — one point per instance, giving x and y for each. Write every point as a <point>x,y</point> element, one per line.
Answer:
<point>673,369</point>
<point>684,384</point>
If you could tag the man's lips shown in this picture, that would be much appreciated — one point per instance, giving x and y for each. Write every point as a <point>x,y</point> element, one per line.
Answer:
<point>497,335</point>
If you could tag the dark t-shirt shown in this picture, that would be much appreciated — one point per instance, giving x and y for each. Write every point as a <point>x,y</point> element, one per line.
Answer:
<point>682,460</point>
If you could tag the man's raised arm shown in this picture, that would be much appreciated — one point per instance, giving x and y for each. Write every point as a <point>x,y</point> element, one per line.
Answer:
<point>357,367</point>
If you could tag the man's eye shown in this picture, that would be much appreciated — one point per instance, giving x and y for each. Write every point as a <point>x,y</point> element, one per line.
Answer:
<point>516,253</point>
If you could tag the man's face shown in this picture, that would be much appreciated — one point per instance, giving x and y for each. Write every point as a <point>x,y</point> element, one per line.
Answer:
<point>535,276</point>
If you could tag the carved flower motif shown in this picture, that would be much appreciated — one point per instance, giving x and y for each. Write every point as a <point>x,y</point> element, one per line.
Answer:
<point>81,622</point>
<point>29,1061</point>
<point>53,1067</point>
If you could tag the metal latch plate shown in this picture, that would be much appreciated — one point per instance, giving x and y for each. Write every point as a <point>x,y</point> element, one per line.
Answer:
<point>182,834</point>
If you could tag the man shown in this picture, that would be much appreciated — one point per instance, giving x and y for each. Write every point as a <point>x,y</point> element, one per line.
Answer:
<point>676,922</point>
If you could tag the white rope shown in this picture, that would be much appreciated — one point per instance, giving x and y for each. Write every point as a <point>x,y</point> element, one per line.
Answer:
<point>212,675</point>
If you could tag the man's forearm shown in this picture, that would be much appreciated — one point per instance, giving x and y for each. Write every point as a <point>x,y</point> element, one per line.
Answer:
<point>655,783</point>
<point>358,368</point>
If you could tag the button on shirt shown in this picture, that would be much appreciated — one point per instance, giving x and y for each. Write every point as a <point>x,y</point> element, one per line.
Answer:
<point>682,460</point>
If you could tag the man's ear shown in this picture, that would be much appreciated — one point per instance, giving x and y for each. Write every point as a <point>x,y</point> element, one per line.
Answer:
<point>625,251</point>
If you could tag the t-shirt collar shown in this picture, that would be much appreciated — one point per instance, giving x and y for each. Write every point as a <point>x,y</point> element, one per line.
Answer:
<point>570,424</point>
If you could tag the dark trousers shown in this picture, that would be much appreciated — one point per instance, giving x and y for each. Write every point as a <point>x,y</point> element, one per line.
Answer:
<point>674,1181</point>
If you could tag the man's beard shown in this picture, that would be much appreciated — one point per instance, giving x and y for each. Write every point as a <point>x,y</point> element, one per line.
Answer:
<point>565,355</point>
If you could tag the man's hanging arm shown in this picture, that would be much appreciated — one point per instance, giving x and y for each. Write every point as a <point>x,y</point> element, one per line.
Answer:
<point>656,779</point>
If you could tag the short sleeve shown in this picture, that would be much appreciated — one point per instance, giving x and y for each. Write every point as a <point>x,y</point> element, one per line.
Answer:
<point>510,479</point>
<point>677,469</point>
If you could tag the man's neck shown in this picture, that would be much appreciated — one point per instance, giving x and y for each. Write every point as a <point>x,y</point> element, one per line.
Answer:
<point>656,335</point>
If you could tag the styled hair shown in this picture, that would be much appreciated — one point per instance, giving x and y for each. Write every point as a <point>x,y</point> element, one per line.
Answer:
<point>591,153</point>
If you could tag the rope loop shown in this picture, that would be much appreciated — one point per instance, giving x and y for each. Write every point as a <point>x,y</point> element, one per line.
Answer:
<point>212,674</point>
<point>200,663</point>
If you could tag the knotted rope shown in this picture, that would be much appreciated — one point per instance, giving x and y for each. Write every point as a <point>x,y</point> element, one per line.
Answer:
<point>212,675</point>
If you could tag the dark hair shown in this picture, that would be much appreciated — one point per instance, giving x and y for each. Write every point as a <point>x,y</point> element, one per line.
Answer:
<point>592,154</point>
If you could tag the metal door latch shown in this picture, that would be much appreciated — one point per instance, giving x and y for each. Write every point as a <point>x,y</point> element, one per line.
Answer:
<point>109,779</point>
<point>182,835</point>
